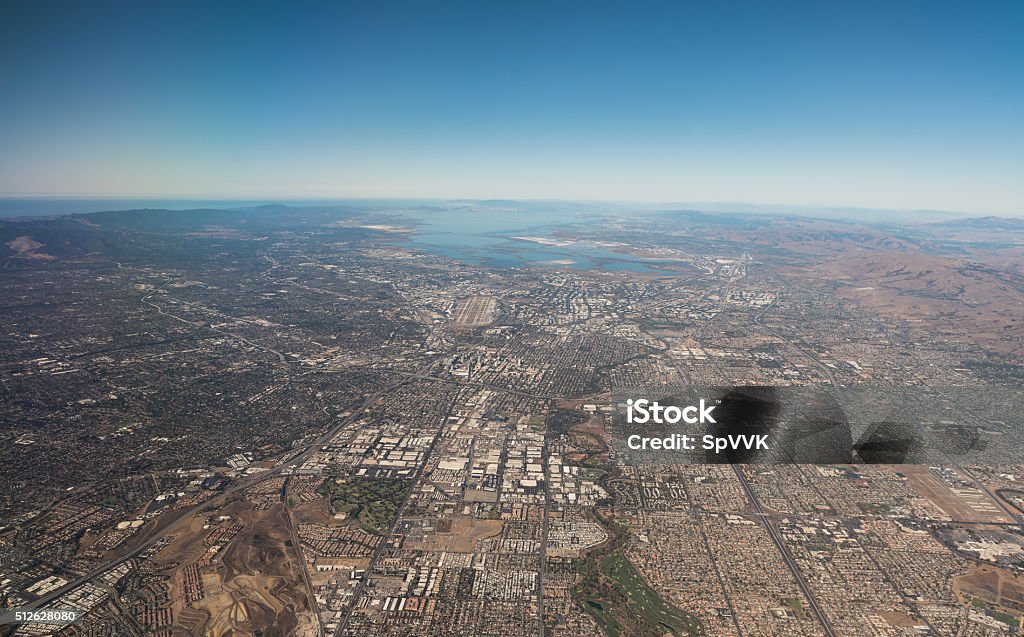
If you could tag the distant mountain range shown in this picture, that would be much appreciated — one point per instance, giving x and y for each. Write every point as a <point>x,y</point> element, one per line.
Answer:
<point>981,223</point>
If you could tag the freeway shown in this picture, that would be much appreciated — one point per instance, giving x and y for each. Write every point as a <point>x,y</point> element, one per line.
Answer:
<point>297,544</point>
<point>786,557</point>
<point>759,321</point>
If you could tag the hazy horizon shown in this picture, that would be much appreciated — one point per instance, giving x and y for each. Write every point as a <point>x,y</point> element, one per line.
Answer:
<point>12,206</point>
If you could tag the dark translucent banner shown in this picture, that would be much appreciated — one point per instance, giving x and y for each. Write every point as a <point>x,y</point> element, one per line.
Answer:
<point>874,424</point>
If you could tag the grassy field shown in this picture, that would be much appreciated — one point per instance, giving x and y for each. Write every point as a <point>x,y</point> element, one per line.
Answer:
<point>797,606</point>
<point>604,613</point>
<point>874,507</point>
<point>372,502</point>
<point>110,502</point>
<point>644,602</point>
<point>615,594</point>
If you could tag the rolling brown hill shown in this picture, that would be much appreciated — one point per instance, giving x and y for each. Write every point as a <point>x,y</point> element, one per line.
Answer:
<point>944,295</point>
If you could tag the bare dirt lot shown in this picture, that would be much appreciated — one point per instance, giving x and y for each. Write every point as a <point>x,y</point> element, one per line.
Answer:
<point>254,584</point>
<point>461,534</point>
<point>994,586</point>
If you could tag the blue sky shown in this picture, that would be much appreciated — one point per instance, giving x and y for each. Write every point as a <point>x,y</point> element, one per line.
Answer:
<point>888,104</point>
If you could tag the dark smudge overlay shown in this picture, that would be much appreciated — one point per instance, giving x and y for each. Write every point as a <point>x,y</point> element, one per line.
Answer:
<point>821,424</point>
